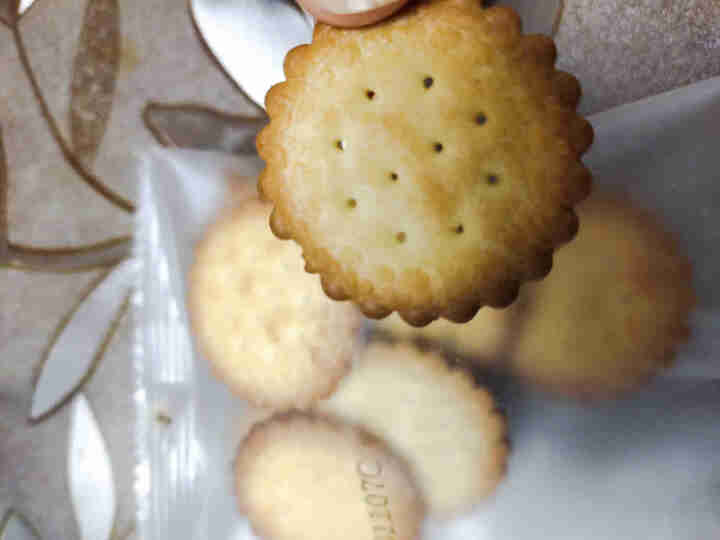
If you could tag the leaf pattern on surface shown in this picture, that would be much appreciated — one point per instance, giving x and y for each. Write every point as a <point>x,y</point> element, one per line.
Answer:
<point>15,526</point>
<point>12,10</point>
<point>189,125</point>
<point>90,475</point>
<point>3,201</point>
<point>68,153</point>
<point>81,339</point>
<point>9,10</point>
<point>560,11</point>
<point>94,75</point>
<point>64,260</point>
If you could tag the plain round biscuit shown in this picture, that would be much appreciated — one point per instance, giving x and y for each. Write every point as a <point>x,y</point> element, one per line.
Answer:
<point>429,164</point>
<point>300,477</point>
<point>446,427</point>
<point>263,323</point>
<point>613,310</point>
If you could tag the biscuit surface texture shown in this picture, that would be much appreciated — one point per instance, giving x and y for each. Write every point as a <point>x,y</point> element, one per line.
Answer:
<point>263,323</point>
<point>613,310</point>
<point>428,164</point>
<point>305,478</point>
<point>435,417</point>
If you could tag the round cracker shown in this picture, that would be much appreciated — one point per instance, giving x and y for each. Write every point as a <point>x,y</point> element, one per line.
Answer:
<point>613,310</point>
<point>264,323</point>
<point>305,478</point>
<point>427,165</point>
<point>445,426</point>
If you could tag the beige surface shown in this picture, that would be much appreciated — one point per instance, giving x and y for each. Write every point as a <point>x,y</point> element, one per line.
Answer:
<point>621,50</point>
<point>48,204</point>
<point>624,50</point>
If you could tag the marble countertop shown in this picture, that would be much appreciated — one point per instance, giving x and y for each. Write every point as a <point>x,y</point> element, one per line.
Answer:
<point>86,84</point>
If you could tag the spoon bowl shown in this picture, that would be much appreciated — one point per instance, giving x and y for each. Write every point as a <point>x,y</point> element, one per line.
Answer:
<point>250,38</point>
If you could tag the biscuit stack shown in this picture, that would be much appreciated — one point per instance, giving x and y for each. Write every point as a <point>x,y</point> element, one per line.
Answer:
<point>427,166</point>
<point>609,316</point>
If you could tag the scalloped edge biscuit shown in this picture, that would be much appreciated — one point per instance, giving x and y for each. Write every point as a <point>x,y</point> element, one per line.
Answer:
<point>435,416</point>
<point>640,312</point>
<point>485,340</point>
<point>301,477</point>
<point>496,269</point>
<point>230,309</point>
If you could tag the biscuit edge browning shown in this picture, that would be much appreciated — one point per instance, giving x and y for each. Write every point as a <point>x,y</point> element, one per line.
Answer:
<point>257,397</point>
<point>496,425</point>
<point>672,286</point>
<point>562,92</point>
<point>282,424</point>
<point>486,419</point>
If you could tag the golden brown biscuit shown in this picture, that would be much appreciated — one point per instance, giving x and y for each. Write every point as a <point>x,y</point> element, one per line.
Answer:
<point>435,417</point>
<point>428,164</point>
<point>264,324</point>
<point>484,340</point>
<point>306,478</point>
<point>614,308</point>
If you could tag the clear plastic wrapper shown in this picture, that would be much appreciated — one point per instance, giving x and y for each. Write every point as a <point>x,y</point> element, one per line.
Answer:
<point>644,466</point>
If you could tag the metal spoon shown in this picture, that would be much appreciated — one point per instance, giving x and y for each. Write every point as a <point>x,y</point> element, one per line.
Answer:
<point>250,38</point>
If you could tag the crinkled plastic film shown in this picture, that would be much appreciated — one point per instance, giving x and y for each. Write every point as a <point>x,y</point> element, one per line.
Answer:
<point>644,466</point>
